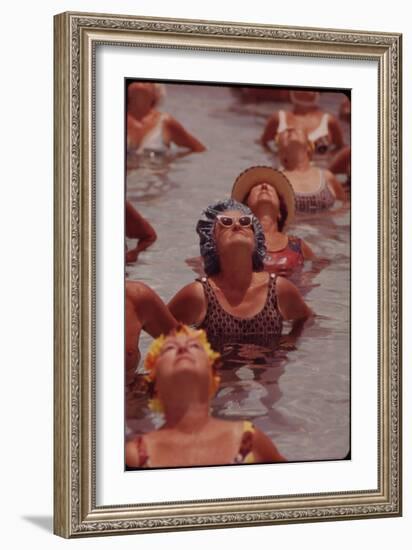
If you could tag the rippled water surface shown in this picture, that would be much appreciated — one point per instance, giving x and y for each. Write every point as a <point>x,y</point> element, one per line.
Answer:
<point>300,398</point>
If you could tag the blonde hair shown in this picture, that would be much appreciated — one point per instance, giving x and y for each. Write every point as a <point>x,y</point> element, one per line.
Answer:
<point>155,350</point>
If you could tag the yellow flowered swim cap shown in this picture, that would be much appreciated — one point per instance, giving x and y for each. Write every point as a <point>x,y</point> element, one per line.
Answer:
<point>157,346</point>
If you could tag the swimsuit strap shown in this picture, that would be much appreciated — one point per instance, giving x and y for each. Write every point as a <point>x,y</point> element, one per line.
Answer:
<point>218,322</point>
<point>209,292</point>
<point>325,186</point>
<point>324,123</point>
<point>245,452</point>
<point>282,122</point>
<point>214,302</point>
<point>154,139</point>
<point>322,130</point>
<point>142,452</point>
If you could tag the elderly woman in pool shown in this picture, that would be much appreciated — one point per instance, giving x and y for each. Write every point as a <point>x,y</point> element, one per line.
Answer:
<point>270,196</point>
<point>323,129</point>
<point>237,299</point>
<point>182,374</point>
<point>316,189</point>
<point>148,129</point>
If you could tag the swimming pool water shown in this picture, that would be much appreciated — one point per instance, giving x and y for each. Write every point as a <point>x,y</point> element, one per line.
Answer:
<point>300,398</point>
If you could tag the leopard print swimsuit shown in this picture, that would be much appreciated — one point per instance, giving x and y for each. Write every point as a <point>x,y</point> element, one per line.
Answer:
<point>218,322</point>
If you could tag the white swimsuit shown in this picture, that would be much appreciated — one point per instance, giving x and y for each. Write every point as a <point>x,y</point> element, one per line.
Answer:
<point>319,136</point>
<point>153,141</point>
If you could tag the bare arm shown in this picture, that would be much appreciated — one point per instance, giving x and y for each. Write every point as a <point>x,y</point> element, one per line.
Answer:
<point>189,304</point>
<point>179,135</point>
<point>133,328</point>
<point>134,133</point>
<point>264,450</point>
<point>132,454</point>
<point>335,185</point>
<point>307,252</point>
<point>152,313</point>
<point>340,163</point>
<point>291,304</point>
<point>157,318</point>
<point>139,228</point>
<point>292,308</point>
<point>270,129</point>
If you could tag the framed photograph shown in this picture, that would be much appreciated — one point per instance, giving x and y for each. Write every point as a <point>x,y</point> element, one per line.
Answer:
<point>227,274</point>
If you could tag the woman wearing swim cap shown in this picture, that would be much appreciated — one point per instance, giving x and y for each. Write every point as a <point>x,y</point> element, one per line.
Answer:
<point>183,378</point>
<point>237,299</point>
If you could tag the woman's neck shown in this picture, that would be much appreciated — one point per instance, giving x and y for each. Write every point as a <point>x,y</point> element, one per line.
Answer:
<point>236,270</point>
<point>304,108</point>
<point>274,238</point>
<point>268,216</point>
<point>186,415</point>
<point>300,162</point>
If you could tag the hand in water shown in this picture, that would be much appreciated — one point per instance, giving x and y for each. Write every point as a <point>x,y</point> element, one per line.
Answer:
<point>287,342</point>
<point>131,256</point>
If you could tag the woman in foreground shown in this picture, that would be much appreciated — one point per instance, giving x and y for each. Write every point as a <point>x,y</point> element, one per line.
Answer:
<point>183,378</point>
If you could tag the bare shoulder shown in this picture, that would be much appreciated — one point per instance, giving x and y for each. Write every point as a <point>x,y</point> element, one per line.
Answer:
<point>307,251</point>
<point>139,291</point>
<point>329,175</point>
<point>192,290</point>
<point>132,454</point>
<point>284,285</point>
<point>170,121</point>
<point>333,121</point>
<point>334,185</point>
<point>264,449</point>
<point>189,304</point>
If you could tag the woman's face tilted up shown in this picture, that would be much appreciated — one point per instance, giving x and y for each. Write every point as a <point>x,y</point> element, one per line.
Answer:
<point>234,229</point>
<point>182,358</point>
<point>262,193</point>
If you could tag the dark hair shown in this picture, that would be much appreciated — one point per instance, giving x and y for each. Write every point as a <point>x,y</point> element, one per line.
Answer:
<point>205,230</point>
<point>283,210</point>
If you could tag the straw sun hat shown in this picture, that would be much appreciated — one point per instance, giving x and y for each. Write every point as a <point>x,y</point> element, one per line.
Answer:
<point>265,174</point>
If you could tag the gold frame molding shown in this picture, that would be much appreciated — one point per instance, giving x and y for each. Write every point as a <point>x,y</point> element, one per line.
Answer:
<point>75,38</point>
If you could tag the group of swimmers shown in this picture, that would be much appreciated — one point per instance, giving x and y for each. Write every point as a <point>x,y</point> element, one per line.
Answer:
<point>244,288</point>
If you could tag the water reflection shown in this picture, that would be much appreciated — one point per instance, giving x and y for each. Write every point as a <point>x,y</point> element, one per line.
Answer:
<point>300,398</point>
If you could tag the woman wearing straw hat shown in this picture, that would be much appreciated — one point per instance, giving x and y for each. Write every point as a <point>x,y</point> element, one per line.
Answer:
<point>237,299</point>
<point>183,379</point>
<point>270,196</point>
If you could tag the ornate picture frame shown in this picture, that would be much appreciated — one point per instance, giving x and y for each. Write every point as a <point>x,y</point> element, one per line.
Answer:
<point>77,510</point>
